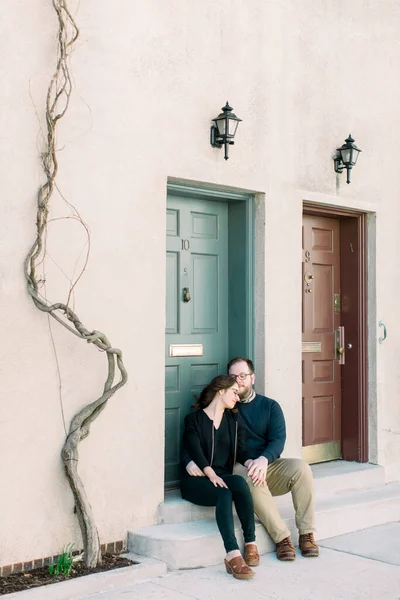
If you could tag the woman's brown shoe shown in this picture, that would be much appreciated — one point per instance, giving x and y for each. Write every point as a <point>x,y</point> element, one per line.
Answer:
<point>238,568</point>
<point>251,555</point>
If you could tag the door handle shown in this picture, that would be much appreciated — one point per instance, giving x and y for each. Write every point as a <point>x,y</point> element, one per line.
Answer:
<point>339,345</point>
<point>186,294</point>
<point>382,339</point>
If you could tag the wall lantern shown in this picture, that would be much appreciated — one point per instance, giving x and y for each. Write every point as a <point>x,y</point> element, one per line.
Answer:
<point>346,157</point>
<point>224,130</point>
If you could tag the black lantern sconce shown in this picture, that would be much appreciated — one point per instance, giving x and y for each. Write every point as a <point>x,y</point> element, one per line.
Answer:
<point>346,157</point>
<point>224,130</point>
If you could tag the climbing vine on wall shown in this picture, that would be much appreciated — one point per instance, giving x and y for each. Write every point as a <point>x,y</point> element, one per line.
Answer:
<point>57,101</point>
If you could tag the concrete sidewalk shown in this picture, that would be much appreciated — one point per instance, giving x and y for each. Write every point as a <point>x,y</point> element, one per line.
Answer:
<point>364,565</point>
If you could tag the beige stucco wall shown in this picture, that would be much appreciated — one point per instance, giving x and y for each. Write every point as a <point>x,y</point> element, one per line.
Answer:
<point>148,78</point>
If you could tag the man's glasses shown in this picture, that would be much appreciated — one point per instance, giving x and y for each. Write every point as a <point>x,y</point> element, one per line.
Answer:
<point>242,376</point>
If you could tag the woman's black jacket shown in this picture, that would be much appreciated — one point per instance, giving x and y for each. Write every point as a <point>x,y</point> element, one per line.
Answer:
<point>198,440</point>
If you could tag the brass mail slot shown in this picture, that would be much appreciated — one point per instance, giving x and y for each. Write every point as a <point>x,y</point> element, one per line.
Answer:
<point>186,350</point>
<point>311,347</point>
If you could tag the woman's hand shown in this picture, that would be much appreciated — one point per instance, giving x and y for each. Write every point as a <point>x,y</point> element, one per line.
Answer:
<point>194,470</point>
<point>213,477</point>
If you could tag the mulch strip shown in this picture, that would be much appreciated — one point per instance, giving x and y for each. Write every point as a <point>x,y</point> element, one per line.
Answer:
<point>37,577</point>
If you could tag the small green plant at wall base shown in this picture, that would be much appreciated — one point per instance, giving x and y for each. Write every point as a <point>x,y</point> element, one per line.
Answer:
<point>64,563</point>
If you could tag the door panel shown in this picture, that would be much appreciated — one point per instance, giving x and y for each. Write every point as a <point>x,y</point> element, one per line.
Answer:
<point>172,314</point>
<point>355,423</point>
<point>197,259</point>
<point>321,317</point>
<point>205,293</point>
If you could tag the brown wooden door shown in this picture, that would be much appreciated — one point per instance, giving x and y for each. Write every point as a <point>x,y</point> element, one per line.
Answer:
<point>321,318</point>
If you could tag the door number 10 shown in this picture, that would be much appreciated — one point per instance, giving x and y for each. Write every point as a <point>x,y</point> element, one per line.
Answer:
<point>185,244</point>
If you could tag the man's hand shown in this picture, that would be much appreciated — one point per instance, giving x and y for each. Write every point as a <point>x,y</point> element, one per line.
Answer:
<point>257,470</point>
<point>194,470</point>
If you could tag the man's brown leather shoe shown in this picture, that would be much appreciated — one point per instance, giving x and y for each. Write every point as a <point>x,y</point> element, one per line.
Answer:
<point>251,555</point>
<point>285,550</point>
<point>307,545</point>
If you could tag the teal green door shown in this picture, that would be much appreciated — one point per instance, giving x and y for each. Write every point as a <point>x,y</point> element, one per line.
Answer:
<point>196,311</point>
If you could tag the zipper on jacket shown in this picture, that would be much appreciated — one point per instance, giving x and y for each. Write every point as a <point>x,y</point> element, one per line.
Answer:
<point>212,446</point>
<point>234,453</point>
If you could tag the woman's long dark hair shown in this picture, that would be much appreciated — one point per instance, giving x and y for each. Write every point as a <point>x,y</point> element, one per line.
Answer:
<point>221,382</point>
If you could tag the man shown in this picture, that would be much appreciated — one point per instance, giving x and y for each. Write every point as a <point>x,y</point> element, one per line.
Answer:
<point>269,475</point>
<point>266,473</point>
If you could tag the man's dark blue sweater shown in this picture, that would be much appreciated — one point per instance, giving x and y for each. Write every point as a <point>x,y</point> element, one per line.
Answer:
<point>265,426</point>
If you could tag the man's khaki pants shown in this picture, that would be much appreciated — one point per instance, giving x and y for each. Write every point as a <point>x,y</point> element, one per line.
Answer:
<point>283,475</point>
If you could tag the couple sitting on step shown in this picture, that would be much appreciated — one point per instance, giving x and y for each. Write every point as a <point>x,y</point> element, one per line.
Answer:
<point>230,452</point>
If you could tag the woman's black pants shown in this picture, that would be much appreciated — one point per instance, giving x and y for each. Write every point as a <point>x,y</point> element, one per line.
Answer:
<point>200,490</point>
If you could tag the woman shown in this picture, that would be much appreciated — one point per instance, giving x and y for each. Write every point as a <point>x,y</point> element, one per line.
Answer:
<point>214,439</point>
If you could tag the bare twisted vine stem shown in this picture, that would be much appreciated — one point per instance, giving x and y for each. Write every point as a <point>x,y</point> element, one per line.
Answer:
<point>57,102</point>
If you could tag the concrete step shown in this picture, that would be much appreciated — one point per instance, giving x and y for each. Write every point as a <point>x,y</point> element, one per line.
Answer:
<point>341,476</point>
<point>329,478</point>
<point>198,543</point>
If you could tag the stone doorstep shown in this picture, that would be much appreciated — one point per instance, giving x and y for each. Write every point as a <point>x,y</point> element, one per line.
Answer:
<point>107,581</point>
<point>329,478</point>
<point>198,543</point>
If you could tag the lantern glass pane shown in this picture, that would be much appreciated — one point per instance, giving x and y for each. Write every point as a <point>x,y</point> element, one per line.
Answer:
<point>346,155</point>
<point>221,124</point>
<point>355,155</point>
<point>232,127</point>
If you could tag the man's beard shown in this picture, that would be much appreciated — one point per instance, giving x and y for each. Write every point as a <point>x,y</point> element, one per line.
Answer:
<point>245,392</point>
